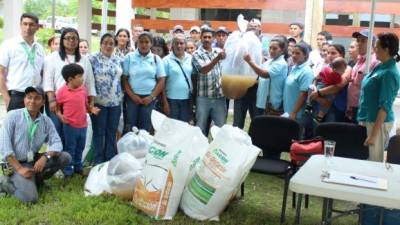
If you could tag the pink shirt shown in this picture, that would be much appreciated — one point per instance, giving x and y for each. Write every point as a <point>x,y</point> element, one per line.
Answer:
<point>357,74</point>
<point>74,105</point>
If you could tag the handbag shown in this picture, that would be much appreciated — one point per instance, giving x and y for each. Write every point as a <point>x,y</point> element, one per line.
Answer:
<point>191,96</point>
<point>269,110</point>
<point>301,151</point>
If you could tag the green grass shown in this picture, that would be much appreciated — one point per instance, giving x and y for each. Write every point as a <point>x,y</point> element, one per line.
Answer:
<point>65,204</point>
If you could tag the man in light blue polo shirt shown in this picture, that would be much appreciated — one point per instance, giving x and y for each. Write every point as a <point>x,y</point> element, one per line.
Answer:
<point>143,80</point>
<point>178,68</point>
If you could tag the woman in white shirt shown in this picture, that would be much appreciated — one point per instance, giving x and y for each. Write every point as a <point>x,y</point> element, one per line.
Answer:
<point>52,78</point>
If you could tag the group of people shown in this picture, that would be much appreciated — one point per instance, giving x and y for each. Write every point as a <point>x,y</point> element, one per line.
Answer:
<point>131,76</point>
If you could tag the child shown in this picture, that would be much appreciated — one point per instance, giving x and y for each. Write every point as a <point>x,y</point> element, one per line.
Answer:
<point>72,101</point>
<point>328,76</point>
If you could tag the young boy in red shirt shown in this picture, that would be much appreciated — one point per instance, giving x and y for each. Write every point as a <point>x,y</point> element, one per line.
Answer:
<point>72,101</point>
<point>328,76</point>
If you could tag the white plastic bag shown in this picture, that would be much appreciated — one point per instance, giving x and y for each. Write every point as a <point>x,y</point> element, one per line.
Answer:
<point>136,143</point>
<point>89,136</point>
<point>224,167</point>
<point>175,149</point>
<point>96,183</point>
<point>122,172</point>
<point>237,75</point>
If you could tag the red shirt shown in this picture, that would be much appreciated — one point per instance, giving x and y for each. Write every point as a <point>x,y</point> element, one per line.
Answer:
<point>74,105</point>
<point>329,77</point>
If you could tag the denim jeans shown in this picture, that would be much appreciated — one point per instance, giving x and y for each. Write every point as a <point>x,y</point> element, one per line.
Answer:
<point>213,107</point>
<point>240,107</point>
<point>57,123</point>
<point>105,126</point>
<point>180,109</point>
<point>138,115</point>
<point>74,145</point>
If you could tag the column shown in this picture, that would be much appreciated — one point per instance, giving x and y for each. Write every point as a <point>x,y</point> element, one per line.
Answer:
<point>12,13</point>
<point>85,20</point>
<point>314,20</point>
<point>124,14</point>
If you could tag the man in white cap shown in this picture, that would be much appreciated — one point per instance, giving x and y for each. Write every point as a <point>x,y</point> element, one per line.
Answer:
<point>178,29</point>
<point>195,34</point>
<point>255,26</point>
<point>221,34</point>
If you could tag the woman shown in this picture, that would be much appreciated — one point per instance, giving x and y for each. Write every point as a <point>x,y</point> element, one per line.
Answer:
<point>297,83</point>
<point>378,91</point>
<point>353,53</point>
<point>338,107</point>
<point>54,44</point>
<point>178,87</point>
<point>107,73</point>
<point>83,47</point>
<point>272,78</point>
<point>122,43</point>
<point>52,78</point>
<point>190,46</point>
<point>143,80</point>
<point>159,47</point>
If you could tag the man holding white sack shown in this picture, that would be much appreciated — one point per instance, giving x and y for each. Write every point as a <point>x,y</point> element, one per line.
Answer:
<point>207,69</point>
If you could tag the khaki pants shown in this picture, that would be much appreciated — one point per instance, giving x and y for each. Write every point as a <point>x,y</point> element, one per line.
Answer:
<point>382,138</point>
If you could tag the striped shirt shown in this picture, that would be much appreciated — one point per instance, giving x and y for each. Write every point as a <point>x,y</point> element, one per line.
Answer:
<point>14,138</point>
<point>208,85</point>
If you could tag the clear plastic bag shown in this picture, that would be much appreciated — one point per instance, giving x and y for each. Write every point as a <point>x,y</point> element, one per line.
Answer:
<point>122,172</point>
<point>136,143</point>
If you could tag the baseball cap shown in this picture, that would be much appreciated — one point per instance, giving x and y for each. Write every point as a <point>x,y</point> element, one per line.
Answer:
<point>195,28</point>
<point>34,89</point>
<point>222,29</point>
<point>362,33</point>
<point>177,28</point>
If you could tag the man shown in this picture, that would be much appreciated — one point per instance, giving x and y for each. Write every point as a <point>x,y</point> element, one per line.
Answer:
<point>23,133</point>
<point>137,29</point>
<point>21,63</point>
<point>296,31</point>
<point>220,36</point>
<point>178,29</point>
<point>195,35</point>
<point>322,38</point>
<point>358,73</point>
<point>207,69</point>
<point>255,26</point>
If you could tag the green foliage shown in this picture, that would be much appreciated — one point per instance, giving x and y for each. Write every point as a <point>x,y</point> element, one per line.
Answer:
<point>42,8</point>
<point>43,35</point>
<point>1,22</point>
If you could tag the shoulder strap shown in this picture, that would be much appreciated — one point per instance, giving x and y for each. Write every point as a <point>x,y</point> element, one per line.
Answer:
<point>184,74</point>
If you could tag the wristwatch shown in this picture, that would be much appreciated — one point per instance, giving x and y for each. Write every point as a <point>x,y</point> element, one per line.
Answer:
<point>153,97</point>
<point>47,155</point>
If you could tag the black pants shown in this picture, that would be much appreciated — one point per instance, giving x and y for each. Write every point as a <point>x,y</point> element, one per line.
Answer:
<point>16,100</point>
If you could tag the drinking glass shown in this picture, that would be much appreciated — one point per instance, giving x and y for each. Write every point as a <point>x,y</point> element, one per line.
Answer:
<point>329,151</point>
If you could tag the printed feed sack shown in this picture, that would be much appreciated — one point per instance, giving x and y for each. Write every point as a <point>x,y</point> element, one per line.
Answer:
<point>224,167</point>
<point>175,149</point>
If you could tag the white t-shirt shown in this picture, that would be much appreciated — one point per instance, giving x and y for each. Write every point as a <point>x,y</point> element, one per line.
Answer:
<point>23,63</point>
<point>53,79</point>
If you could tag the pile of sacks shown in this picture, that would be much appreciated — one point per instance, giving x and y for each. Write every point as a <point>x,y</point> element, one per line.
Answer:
<point>181,169</point>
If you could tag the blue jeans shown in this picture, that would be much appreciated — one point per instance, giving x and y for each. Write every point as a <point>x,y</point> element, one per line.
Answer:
<point>105,126</point>
<point>74,145</point>
<point>57,123</point>
<point>213,107</point>
<point>240,107</point>
<point>138,115</point>
<point>179,109</point>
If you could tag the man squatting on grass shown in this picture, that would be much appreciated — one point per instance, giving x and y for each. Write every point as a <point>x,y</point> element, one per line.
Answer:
<point>22,134</point>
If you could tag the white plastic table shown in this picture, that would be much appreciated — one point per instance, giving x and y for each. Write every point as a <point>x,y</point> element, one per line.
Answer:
<point>308,181</point>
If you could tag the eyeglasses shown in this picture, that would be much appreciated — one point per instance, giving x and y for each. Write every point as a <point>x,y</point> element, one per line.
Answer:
<point>71,38</point>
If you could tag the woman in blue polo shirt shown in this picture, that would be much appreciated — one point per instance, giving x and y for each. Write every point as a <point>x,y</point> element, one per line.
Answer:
<point>178,68</point>
<point>297,83</point>
<point>143,80</point>
<point>378,91</point>
<point>275,71</point>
